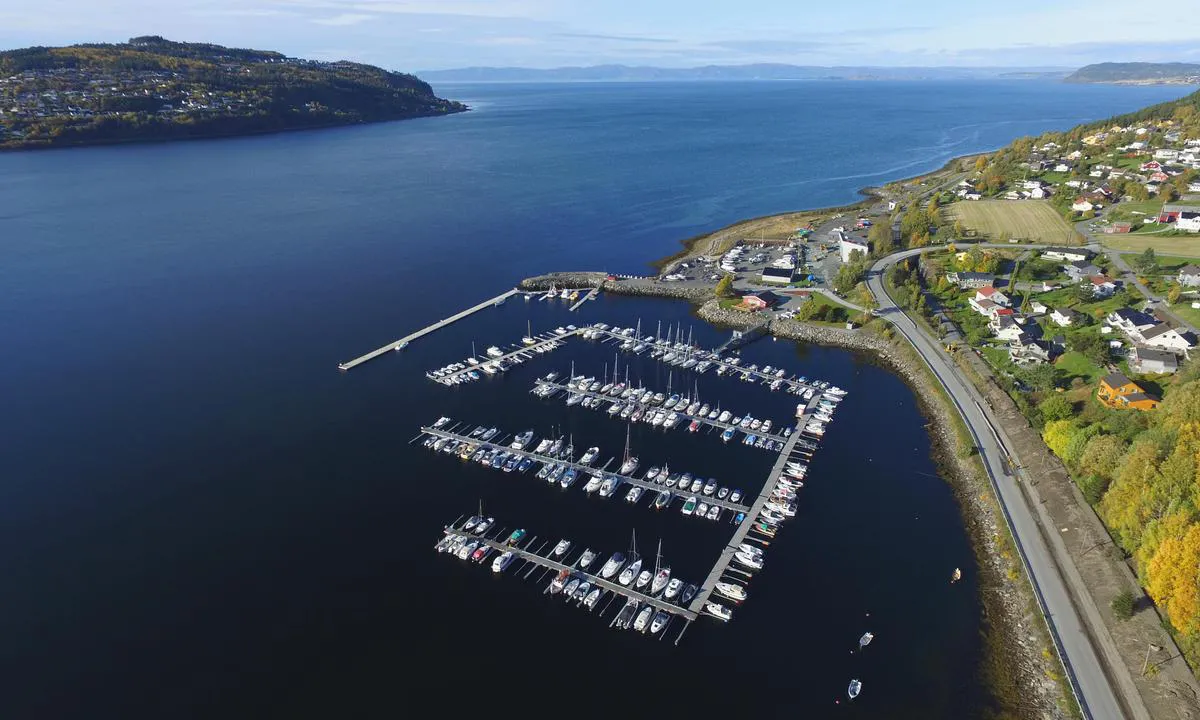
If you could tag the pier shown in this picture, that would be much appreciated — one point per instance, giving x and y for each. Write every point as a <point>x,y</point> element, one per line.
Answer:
<point>722,426</point>
<point>398,344</point>
<point>646,485</point>
<point>555,566</point>
<point>590,296</point>
<point>541,344</point>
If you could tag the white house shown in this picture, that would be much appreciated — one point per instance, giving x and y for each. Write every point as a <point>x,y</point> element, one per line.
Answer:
<point>1164,336</point>
<point>984,307</point>
<point>1188,221</point>
<point>1149,361</point>
<point>1006,328</point>
<point>991,293</point>
<point>1067,254</point>
<point>1189,276</point>
<point>1064,317</point>
<point>1102,287</point>
<point>1037,308</point>
<point>1040,193</point>
<point>1082,205</point>
<point>1166,154</point>
<point>851,245</point>
<point>1131,322</point>
<point>1062,167</point>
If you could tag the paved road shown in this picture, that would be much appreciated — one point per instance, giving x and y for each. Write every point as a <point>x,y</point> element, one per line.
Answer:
<point>1087,672</point>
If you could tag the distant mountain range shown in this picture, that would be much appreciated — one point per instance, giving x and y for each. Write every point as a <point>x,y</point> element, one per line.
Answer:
<point>1138,73</point>
<point>763,71</point>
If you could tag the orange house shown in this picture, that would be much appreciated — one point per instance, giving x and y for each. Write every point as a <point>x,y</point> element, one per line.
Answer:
<point>1119,392</point>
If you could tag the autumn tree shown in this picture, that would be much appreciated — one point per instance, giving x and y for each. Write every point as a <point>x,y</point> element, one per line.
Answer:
<point>1173,580</point>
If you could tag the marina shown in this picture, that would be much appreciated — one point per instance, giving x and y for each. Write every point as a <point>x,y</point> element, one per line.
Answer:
<point>561,460</point>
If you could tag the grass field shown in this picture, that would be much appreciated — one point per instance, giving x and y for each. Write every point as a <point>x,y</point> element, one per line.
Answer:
<point>1073,364</point>
<point>1021,219</point>
<point>1183,245</point>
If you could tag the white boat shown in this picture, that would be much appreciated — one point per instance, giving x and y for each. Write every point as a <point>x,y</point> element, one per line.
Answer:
<point>660,621</point>
<point>571,587</point>
<point>466,550</point>
<point>754,563</point>
<point>689,505</point>
<point>651,474</point>
<point>612,566</point>
<point>710,486</point>
<point>562,547</point>
<point>559,582</point>
<point>494,351</point>
<point>629,466</point>
<point>702,509</point>
<point>483,526</point>
<point>661,580</point>
<point>643,579</point>
<point>586,559</point>
<point>520,441</point>
<point>593,484</point>
<point>634,494</point>
<point>865,640</point>
<point>590,456</point>
<point>543,446</point>
<point>502,562</point>
<point>734,592</point>
<point>663,500</point>
<point>609,486</point>
<point>643,619</point>
<point>584,588</point>
<point>854,689</point>
<point>630,572</point>
<point>750,550</point>
<point>592,598</point>
<point>673,588</point>
<point>714,512</point>
<point>718,610</point>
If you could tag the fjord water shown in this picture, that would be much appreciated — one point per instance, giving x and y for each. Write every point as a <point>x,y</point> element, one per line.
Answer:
<point>201,517</point>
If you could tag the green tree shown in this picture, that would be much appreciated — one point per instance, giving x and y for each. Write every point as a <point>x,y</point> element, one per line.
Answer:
<point>880,237</point>
<point>1122,605</point>
<point>1146,263</point>
<point>1056,407</point>
<point>1102,456</point>
<point>1039,377</point>
<point>725,287</point>
<point>1173,293</point>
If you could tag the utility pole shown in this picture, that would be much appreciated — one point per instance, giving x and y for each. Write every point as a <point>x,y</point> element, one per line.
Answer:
<point>1146,662</point>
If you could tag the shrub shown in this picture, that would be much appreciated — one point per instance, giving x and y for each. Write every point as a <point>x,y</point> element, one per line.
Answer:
<point>1122,605</point>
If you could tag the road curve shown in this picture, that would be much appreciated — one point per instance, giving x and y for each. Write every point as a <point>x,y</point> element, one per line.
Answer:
<point>1086,671</point>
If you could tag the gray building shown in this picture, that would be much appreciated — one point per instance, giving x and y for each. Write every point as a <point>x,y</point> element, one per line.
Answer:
<point>1080,270</point>
<point>1149,361</point>
<point>1189,276</point>
<point>777,276</point>
<point>972,279</point>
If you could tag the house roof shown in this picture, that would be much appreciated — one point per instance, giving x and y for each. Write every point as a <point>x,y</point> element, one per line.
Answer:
<point>1066,312</point>
<point>777,272</point>
<point>1070,250</point>
<point>985,304</point>
<point>1145,353</point>
<point>1133,317</point>
<point>1153,332</point>
<point>1115,380</point>
<point>975,276</point>
<point>1084,265</point>
<point>1004,311</point>
<point>1139,397</point>
<point>1100,279</point>
<point>986,291</point>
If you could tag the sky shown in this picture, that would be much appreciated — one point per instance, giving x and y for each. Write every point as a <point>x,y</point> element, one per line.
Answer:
<point>415,35</point>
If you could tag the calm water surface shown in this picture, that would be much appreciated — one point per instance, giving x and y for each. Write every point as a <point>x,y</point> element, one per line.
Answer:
<point>202,518</point>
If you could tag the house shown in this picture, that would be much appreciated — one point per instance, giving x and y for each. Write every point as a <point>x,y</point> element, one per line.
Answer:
<point>1148,361</point>
<point>1065,317</point>
<point>971,279</point>
<point>1194,187</point>
<point>1033,352</point>
<point>1119,228</point>
<point>851,245</point>
<point>1172,211</point>
<point>1166,154</point>
<point>1150,166</point>
<point>1119,392</point>
<point>1005,327</point>
<point>991,293</point>
<point>1164,336</point>
<point>1189,221</point>
<point>1067,254</point>
<point>1189,276</point>
<point>1102,286</point>
<point>777,276</point>
<point>983,307</point>
<point>1037,308</point>
<point>1062,167</point>
<point>753,303</point>
<point>1040,193</point>
<point>1158,177</point>
<point>1080,270</point>
<point>1131,322</point>
<point>1082,205</point>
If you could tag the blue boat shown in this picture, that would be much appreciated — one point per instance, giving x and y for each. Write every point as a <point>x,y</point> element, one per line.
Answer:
<point>525,464</point>
<point>727,435</point>
<point>737,520</point>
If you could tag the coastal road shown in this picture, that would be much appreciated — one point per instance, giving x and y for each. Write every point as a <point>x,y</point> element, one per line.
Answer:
<point>1084,666</point>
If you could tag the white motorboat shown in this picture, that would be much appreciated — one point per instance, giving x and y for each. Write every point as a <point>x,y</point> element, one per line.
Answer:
<point>697,484</point>
<point>734,592</point>
<point>589,457</point>
<point>651,474</point>
<point>502,562</point>
<point>854,689</point>
<point>593,484</point>
<point>571,587</point>
<point>612,566</point>
<point>630,572</point>
<point>609,486</point>
<point>586,559</point>
<point>643,619</point>
<point>660,621</point>
<point>718,610</point>
<point>754,563</point>
<point>634,494</point>
<point>714,512</point>
<point>520,441</point>
<point>673,588</point>
<point>562,547</point>
<point>643,579</point>
<point>689,505</point>
<point>483,526</point>
<point>710,486</point>
<point>865,640</point>
<point>629,466</point>
<point>592,598</point>
<point>625,617</point>
<point>663,500</point>
<point>751,550</point>
<point>661,580</point>
<point>702,509</point>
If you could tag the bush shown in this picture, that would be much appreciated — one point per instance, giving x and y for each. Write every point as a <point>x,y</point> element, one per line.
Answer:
<point>1056,407</point>
<point>1122,605</point>
<point>1093,488</point>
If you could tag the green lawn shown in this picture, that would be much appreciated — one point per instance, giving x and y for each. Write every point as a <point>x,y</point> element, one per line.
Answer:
<point>1073,364</point>
<point>1166,263</point>
<point>998,357</point>
<point>1187,312</point>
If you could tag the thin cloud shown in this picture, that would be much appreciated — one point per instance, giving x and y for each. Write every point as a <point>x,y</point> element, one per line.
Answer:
<point>617,38</point>
<point>344,19</point>
<point>777,46</point>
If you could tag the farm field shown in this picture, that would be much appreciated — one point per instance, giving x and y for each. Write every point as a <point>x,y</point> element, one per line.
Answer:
<point>1020,219</point>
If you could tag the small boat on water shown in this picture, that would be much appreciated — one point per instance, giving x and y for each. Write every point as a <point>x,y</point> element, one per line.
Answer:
<point>754,563</point>
<point>559,582</point>
<point>586,559</point>
<point>661,579</point>
<point>584,588</point>
<point>865,640</point>
<point>643,579</point>
<point>502,562</point>
<point>643,619</point>
<point>956,576</point>
<point>630,572</point>
<point>663,500</point>
<point>718,610</point>
<point>634,494</point>
<point>689,505</point>
<point>660,621</point>
<point>688,593</point>
<point>516,536</point>
<point>589,457</point>
<point>483,526</point>
<point>714,512</point>
<point>571,587</point>
<point>854,689</point>
<point>592,598</point>
<point>734,592</point>
<point>613,565</point>
<point>673,588</point>
<point>625,617</point>
<point>562,547</point>
<point>593,484</point>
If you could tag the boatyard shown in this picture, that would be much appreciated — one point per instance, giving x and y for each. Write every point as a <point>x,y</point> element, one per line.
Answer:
<point>644,599</point>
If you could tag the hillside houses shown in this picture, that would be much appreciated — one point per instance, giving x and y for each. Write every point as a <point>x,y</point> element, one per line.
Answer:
<point>1151,331</point>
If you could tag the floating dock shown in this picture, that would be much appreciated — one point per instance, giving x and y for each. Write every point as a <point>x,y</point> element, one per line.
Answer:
<point>398,344</point>
<point>541,344</point>
<point>646,485</point>
<point>722,426</point>
<point>590,296</point>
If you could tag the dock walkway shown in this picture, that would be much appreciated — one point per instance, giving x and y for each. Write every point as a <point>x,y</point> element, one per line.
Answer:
<point>426,330</point>
<point>543,343</point>
<point>595,580</point>
<point>683,414</point>
<point>591,295</point>
<point>591,469</point>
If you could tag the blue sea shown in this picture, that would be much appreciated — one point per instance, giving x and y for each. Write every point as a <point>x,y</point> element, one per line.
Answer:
<point>201,517</point>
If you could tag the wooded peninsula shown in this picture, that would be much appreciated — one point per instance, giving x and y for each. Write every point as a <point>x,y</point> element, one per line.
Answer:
<point>151,89</point>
